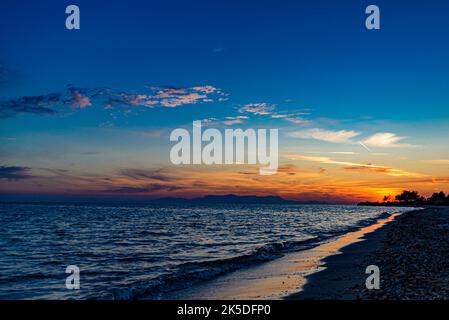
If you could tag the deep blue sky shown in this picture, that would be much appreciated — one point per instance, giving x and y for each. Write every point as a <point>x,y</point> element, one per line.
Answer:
<point>309,60</point>
<point>317,53</point>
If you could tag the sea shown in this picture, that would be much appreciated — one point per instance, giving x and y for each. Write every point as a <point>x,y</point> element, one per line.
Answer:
<point>147,251</point>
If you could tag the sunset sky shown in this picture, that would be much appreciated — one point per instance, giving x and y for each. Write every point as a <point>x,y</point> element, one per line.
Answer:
<point>88,113</point>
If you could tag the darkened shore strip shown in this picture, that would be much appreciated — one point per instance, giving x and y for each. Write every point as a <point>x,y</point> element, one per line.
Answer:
<point>411,252</point>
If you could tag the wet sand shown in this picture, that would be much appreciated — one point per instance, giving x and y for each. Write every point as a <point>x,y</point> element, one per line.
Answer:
<point>346,269</point>
<point>305,272</point>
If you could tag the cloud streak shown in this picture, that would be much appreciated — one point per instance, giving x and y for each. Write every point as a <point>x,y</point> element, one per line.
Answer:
<point>14,173</point>
<point>268,109</point>
<point>167,97</point>
<point>229,121</point>
<point>141,174</point>
<point>143,189</point>
<point>40,105</point>
<point>342,136</point>
<point>379,140</point>
<point>106,98</point>
<point>260,108</point>
<point>352,166</point>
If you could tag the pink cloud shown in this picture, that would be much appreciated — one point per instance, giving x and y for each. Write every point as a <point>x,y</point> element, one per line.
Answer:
<point>171,97</point>
<point>234,120</point>
<point>261,108</point>
<point>80,101</point>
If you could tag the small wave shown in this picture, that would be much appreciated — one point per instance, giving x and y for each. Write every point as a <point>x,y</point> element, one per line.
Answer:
<point>191,273</point>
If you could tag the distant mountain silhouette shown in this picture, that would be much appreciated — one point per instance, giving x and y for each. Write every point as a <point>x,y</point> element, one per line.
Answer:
<point>232,198</point>
<point>210,199</point>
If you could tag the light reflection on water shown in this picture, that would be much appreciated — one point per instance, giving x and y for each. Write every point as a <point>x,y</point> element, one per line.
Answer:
<point>128,251</point>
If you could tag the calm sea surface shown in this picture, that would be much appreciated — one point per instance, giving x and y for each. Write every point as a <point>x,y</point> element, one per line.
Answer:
<point>134,252</point>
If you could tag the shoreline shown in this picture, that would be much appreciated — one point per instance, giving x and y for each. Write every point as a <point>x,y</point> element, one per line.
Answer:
<point>345,270</point>
<point>291,275</point>
<point>412,256</point>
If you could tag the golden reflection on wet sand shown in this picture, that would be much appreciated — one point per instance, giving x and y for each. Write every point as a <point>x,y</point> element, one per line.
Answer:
<point>279,278</point>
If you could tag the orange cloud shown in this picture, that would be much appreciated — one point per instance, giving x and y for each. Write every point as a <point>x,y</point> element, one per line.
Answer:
<point>358,166</point>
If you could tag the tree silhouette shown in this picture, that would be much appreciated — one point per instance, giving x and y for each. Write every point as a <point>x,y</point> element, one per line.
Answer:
<point>408,196</point>
<point>412,198</point>
<point>438,197</point>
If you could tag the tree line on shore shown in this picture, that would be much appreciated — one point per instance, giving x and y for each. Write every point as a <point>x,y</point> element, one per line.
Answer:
<point>407,197</point>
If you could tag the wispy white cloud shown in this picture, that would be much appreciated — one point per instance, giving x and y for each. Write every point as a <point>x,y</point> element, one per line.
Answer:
<point>279,116</point>
<point>385,140</point>
<point>296,120</point>
<point>229,121</point>
<point>378,140</point>
<point>341,136</point>
<point>268,109</point>
<point>153,133</point>
<point>333,152</point>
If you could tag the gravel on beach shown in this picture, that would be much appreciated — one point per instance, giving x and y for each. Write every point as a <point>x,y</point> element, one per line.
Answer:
<point>414,257</point>
<point>412,253</point>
